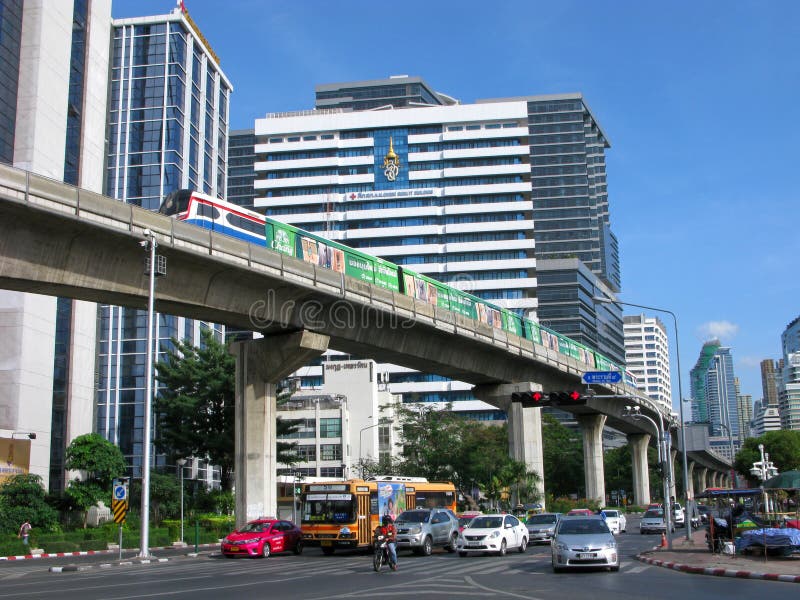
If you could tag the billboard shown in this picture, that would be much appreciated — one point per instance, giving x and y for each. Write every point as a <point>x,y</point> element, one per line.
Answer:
<point>391,499</point>
<point>15,457</point>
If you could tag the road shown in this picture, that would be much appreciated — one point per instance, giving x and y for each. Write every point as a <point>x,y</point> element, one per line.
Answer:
<point>313,576</point>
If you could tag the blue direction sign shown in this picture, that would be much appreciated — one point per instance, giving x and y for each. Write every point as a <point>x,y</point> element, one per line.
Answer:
<point>602,377</point>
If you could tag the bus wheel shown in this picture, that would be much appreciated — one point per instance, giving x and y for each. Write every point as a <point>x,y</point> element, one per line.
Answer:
<point>327,550</point>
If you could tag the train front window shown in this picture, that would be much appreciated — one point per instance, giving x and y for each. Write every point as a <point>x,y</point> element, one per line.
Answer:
<point>329,508</point>
<point>176,203</point>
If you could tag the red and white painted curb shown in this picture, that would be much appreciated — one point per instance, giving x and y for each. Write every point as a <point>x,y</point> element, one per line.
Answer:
<point>719,572</point>
<point>92,552</point>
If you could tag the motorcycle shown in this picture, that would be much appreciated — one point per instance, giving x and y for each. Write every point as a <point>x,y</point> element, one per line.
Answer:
<point>381,554</point>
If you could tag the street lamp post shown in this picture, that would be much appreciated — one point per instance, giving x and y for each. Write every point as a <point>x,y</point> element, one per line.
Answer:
<point>764,470</point>
<point>680,397</point>
<point>634,412</point>
<point>155,265</point>
<point>181,462</point>
<point>360,439</point>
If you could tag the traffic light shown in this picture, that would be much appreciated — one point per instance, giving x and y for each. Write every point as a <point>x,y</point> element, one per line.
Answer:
<point>530,399</point>
<point>534,399</point>
<point>570,398</point>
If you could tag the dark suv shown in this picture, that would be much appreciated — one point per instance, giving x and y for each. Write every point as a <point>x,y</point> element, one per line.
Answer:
<point>420,529</point>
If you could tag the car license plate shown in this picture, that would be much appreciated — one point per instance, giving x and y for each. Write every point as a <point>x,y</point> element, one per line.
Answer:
<point>234,549</point>
<point>326,543</point>
<point>475,544</point>
<point>587,555</point>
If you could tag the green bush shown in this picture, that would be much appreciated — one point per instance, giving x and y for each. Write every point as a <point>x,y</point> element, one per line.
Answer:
<point>56,546</point>
<point>13,546</point>
<point>564,505</point>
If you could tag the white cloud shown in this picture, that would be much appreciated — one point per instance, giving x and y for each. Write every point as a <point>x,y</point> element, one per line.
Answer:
<point>724,330</point>
<point>749,362</point>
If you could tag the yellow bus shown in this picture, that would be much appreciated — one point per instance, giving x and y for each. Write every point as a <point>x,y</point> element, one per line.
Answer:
<point>343,514</point>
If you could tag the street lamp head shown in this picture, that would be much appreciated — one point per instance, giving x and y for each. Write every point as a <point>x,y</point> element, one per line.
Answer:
<point>761,447</point>
<point>181,462</point>
<point>30,435</point>
<point>601,300</point>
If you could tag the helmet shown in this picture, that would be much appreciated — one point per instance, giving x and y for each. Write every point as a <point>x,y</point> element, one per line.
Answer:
<point>386,519</point>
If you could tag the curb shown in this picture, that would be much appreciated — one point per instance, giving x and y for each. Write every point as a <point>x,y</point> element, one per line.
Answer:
<point>89,553</point>
<point>71,568</point>
<point>718,572</point>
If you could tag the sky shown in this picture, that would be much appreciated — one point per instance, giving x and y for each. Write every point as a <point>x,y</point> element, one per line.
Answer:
<point>695,98</point>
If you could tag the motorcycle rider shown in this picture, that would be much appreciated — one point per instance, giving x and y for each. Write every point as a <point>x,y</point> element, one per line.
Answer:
<point>387,529</point>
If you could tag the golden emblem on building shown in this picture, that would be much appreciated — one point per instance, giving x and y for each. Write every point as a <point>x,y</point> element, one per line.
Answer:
<point>391,163</point>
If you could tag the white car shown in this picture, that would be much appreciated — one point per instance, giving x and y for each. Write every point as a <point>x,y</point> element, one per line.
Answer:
<point>679,515</point>
<point>493,533</point>
<point>616,521</point>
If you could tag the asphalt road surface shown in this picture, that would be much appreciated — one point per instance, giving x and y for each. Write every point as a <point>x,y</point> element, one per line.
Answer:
<point>313,576</point>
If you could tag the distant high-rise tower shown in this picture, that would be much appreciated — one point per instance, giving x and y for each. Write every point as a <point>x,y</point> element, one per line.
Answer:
<point>714,390</point>
<point>771,373</point>
<point>647,356</point>
<point>789,390</point>
<point>168,129</point>
<point>241,168</point>
<point>744,411</point>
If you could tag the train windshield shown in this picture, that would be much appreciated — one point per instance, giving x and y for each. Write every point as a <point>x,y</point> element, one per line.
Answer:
<point>176,203</point>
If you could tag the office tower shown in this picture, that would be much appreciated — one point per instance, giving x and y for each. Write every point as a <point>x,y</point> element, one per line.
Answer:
<point>397,91</point>
<point>647,357</point>
<point>52,122</point>
<point>766,417</point>
<point>744,411</point>
<point>771,373</point>
<point>714,391</point>
<point>168,129</point>
<point>789,390</point>
<point>241,172</point>
<point>572,219</point>
<point>457,207</point>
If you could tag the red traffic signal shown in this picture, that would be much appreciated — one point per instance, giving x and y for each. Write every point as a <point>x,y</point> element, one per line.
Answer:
<point>571,398</point>
<point>530,399</point>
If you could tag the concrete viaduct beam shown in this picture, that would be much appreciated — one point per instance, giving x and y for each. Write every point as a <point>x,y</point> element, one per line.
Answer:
<point>260,365</point>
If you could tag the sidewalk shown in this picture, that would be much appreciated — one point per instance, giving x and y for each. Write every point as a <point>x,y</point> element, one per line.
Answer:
<point>694,557</point>
<point>98,552</point>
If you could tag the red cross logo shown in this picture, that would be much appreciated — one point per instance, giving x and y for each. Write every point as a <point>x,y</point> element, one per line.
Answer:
<point>352,196</point>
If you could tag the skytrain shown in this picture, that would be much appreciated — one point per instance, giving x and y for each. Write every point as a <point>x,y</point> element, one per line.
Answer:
<point>229,219</point>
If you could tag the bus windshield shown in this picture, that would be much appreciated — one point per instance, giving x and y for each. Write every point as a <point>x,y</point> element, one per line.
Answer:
<point>329,508</point>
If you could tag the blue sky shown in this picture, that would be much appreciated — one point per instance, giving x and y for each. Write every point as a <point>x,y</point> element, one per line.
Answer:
<point>697,99</point>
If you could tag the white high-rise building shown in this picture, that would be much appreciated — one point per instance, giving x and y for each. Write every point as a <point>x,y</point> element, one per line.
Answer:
<point>766,417</point>
<point>443,190</point>
<point>647,356</point>
<point>52,122</point>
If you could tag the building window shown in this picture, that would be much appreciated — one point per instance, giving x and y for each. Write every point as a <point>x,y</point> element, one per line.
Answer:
<point>330,452</point>
<point>306,452</point>
<point>331,472</point>
<point>330,428</point>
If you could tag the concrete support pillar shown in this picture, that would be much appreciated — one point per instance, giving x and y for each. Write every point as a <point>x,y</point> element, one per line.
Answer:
<point>592,430</point>
<point>524,424</point>
<point>673,484</point>
<point>713,478</point>
<point>690,479</point>
<point>638,443</point>
<point>702,480</point>
<point>260,365</point>
<point>525,440</point>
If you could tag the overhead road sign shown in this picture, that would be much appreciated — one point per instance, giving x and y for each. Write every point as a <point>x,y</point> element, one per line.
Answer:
<point>602,377</point>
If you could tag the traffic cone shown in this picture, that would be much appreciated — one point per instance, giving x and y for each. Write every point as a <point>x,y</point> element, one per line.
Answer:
<point>663,540</point>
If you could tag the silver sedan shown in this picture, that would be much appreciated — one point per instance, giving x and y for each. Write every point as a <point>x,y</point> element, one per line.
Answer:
<point>584,542</point>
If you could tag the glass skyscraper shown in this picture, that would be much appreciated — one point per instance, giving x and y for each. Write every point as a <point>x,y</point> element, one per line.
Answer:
<point>714,391</point>
<point>168,130</point>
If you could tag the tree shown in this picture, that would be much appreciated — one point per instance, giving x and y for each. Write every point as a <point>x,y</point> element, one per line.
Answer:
<point>563,458</point>
<point>195,409</point>
<point>783,447</point>
<point>429,439</point>
<point>165,493</point>
<point>100,461</point>
<point>23,497</point>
